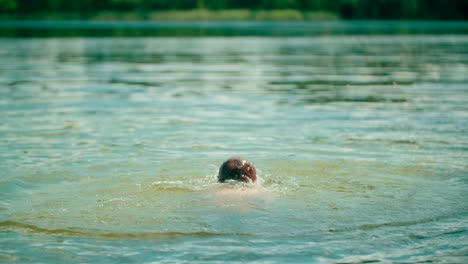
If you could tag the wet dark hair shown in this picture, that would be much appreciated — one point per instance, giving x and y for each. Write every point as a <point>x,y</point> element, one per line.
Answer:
<point>237,168</point>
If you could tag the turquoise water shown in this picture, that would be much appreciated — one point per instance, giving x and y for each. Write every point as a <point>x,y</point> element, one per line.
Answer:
<point>109,148</point>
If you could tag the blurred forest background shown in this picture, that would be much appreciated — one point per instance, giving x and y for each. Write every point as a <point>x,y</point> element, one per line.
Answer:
<point>235,9</point>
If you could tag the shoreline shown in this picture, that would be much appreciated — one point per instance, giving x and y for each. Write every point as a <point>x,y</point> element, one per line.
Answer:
<point>204,28</point>
<point>183,15</point>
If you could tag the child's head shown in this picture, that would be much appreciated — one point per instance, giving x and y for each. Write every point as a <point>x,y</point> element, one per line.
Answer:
<point>238,169</point>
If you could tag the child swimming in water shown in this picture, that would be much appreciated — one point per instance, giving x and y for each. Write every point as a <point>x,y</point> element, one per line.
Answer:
<point>239,170</point>
<point>240,197</point>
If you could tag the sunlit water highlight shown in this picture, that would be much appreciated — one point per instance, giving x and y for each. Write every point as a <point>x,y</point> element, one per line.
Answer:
<point>109,149</point>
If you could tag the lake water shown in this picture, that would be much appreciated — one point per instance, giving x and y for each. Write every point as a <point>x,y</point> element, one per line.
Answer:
<point>109,146</point>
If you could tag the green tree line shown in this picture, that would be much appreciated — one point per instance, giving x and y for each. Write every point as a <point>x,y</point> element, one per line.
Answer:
<point>347,9</point>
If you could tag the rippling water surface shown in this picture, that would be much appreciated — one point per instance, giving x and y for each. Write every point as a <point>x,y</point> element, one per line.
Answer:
<point>109,148</point>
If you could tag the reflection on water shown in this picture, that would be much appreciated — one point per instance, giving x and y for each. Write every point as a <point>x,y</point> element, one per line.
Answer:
<point>109,148</point>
